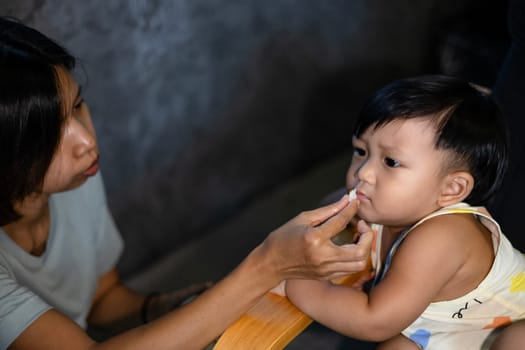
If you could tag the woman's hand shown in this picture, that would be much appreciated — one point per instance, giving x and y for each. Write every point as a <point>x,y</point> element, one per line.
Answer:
<point>302,248</point>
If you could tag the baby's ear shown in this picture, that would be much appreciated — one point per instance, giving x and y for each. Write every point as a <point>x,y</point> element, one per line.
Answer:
<point>456,187</point>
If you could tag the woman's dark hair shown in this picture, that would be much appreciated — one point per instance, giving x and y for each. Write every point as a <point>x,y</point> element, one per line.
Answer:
<point>468,123</point>
<point>30,111</point>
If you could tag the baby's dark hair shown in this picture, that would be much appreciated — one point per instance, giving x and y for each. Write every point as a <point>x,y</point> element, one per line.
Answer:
<point>469,124</point>
<point>30,111</point>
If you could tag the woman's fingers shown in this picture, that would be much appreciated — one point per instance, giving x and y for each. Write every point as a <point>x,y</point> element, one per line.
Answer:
<point>303,247</point>
<point>333,218</point>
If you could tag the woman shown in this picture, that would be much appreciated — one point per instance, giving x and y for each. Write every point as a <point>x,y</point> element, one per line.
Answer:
<point>58,242</point>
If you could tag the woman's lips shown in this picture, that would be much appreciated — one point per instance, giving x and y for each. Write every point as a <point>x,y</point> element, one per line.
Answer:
<point>92,170</point>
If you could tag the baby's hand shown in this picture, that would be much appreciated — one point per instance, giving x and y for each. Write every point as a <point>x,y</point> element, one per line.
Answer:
<point>279,289</point>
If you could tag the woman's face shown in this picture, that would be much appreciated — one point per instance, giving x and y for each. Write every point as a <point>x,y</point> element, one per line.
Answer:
<point>76,158</point>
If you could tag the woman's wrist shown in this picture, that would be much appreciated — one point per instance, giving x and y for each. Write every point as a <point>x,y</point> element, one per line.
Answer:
<point>261,262</point>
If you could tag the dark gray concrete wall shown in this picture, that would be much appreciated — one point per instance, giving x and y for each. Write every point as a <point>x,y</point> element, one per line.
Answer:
<point>200,105</point>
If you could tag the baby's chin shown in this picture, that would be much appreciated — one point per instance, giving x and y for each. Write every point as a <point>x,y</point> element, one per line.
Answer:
<point>368,217</point>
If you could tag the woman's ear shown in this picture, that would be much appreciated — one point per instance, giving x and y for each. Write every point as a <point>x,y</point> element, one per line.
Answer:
<point>456,187</point>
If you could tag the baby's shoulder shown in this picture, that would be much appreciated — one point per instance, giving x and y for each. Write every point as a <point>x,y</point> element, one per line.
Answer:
<point>454,227</point>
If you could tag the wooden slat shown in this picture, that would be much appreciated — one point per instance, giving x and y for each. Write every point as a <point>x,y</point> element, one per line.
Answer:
<point>271,324</point>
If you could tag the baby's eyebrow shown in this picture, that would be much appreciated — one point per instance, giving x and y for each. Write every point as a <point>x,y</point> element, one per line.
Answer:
<point>390,148</point>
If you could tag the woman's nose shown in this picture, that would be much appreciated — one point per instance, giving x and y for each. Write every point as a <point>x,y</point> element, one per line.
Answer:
<point>83,139</point>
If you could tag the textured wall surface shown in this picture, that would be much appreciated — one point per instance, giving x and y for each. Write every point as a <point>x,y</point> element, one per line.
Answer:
<point>202,104</point>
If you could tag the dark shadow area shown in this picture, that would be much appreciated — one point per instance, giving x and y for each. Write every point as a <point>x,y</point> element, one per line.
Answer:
<point>332,105</point>
<point>473,44</point>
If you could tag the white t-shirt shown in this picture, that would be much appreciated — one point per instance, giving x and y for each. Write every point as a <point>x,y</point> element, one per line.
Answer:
<point>83,244</point>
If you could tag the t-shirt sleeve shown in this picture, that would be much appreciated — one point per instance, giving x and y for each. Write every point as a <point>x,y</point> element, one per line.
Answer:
<point>19,307</point>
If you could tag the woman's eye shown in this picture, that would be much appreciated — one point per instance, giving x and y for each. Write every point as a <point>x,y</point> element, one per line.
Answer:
<point>392,163</point>
<point>78,104</point>
<point>359,152</point>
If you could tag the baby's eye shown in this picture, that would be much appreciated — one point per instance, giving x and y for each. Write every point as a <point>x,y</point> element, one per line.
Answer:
<point>392,163</point>
<point>359,152</point>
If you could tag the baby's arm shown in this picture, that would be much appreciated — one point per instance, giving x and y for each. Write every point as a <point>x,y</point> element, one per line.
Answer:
<point>325,302</point>
<point>400,298</point>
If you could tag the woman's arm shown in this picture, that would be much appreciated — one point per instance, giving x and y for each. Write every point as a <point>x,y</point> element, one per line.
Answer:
<point>299,249</point>
<point>118,307</point>
<point>115,302</point>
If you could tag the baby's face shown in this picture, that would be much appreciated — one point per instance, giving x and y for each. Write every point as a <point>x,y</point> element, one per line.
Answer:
<point>397,172</point>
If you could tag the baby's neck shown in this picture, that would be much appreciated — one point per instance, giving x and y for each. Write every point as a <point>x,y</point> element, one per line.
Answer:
<point>394,231</point>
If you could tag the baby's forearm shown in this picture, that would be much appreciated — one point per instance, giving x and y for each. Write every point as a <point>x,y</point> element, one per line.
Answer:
<point>318,300</point>
<point>344,309</point>
<point>305,294</point>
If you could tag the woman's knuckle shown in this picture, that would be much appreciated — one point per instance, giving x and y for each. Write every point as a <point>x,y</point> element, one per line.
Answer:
<point>361,253</point>
<point>303,215</point>
<point>360,265</point>
<point>311,239</point>
<point>317,262</point>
